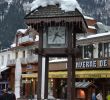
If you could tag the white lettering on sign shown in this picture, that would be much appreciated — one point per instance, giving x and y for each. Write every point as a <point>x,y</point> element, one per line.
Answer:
<point>92,63</point>
<point>86,64</point>
<point>103,63</point>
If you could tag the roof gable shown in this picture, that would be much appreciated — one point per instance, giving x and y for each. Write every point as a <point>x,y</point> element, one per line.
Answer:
<point>51,11</point>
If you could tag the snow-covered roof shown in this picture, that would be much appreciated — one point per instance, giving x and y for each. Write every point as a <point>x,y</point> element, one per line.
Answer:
<point>13,45</point>
<point>92,27</point>
<point>21,31</point>
<point>4,50</point>
<point>3,68</point>
<point>94,36</point>
<point>101,28</point>
<point>67,5</point>
<point>58,60</point>
<point>87,17</point>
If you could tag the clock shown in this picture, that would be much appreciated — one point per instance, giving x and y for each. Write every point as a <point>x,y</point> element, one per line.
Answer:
<point>56,35</point>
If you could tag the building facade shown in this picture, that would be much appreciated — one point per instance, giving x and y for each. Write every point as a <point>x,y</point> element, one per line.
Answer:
<point>5,55</point>
<point>92,66</point>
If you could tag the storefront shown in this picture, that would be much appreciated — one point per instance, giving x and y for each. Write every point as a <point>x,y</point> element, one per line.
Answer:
<point>95,70</point>
<point>84,89</point>
<point>4,78</point>
<point>29,85</point>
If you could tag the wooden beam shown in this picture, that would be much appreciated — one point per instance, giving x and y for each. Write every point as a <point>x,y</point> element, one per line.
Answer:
<point>40,64</point>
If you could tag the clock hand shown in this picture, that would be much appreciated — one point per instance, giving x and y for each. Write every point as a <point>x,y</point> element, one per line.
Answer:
<point>54,38</point>
<point>56,34</point>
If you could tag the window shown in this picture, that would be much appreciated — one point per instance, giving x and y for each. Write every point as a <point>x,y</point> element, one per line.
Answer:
<point>81,51</point>
<point>2,60</point>
<point>23,54</point>
<point>30,52</point>
<point>104,50</point>
<point>88,51</point>
<point>16,55</point>
<point>8,56</point>
<point>100,53</point>
<point>109,49</point>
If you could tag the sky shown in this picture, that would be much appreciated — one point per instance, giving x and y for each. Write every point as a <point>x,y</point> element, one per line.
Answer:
<point>67,5</point>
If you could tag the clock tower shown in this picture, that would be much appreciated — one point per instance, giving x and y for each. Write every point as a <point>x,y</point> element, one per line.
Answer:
<point>57,38</point>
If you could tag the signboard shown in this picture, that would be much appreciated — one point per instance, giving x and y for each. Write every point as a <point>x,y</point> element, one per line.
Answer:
<point>26,81</point>
<point>29,67</point>
<point>82,74</point>
<point>92,63</point>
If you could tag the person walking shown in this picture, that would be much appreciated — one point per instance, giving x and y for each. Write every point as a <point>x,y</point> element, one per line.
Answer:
<point>93,95</point>
<point>4,95</point>
<point>7,95</point>
<point>99,96</point>
<point>10,94</point>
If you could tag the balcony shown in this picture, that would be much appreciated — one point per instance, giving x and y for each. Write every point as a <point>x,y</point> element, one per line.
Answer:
<point>23,61</point>
<point>29,60</point>
<point>32,59</point>
<point>25,40</point>
<point>11,62</point>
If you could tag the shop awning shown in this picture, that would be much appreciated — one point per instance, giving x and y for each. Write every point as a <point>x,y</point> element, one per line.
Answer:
<point>82,74</point>
<point>79,74</point>
<point>93,74</point>
<point>83,84</point>
<point>33,75</point>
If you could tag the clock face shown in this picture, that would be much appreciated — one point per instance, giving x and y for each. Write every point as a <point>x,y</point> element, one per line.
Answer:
<point>56,35</point>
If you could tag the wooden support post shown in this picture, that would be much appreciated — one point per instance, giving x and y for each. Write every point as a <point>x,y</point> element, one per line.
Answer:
<point>70,93</point>
<point>40,63</point>
<point>39,77</point>
<point>71,64</point>
<point>69,67</point>
<point>46,78</point>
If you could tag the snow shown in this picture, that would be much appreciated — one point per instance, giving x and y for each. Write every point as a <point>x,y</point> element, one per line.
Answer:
<point>37,38</point>
<point>9,1</point>
<point>94,36</point>
<point>58,60</point>
<point>67,5</point>
<point>3,68</point>
<point>101,28</point>
<point>99,23</point>
<point>92,27</point>
<point>21,31</point>
<point>27,7</point>
<point>13,45</point>
<point>87,17</point>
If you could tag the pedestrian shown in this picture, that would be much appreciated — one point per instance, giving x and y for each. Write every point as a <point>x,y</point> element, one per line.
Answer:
<point>7,95</point>
<point>99,96</point>
<point>10,94</point>
<point>0,94</point>
<point>4,95</point>
<point>93,95</point>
